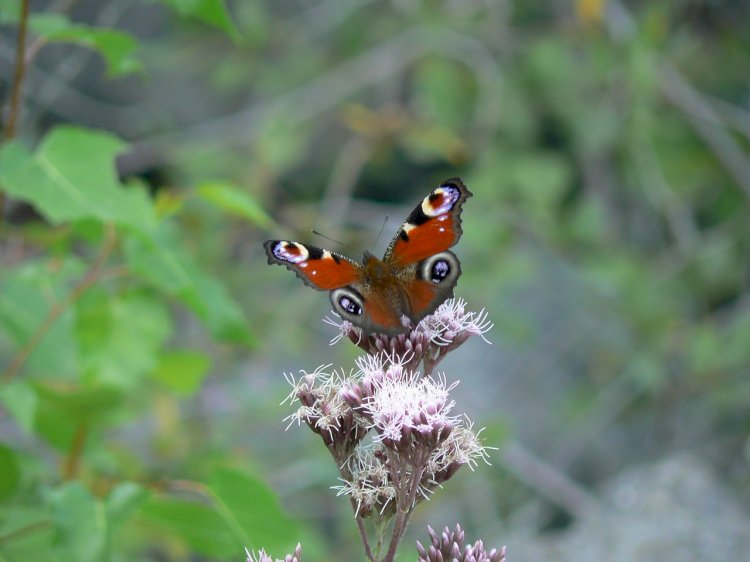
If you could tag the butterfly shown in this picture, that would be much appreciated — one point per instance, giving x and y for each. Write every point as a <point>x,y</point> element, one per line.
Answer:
<point>416,275</point>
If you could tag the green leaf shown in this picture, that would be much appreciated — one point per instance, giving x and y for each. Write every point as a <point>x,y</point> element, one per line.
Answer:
<point>233,200</point>
<point>120,336</point>
<point>27,531</point>
<point>212,12</point>
<point>252,510</point>
<point>9,473</point>
<point>80,522</point>
<point>63,411</point>
<point>71,176</point>
<point>162,261</point>
<point>19,399</point>
<point>117,47</point>
<point>183,370</point>
<point>27,295</point>
<point>122,502</point>
<point>198,525</point>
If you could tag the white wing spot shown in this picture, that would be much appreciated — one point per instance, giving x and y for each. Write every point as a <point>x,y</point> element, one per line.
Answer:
<point>291,252</point>
<point>449,196</point>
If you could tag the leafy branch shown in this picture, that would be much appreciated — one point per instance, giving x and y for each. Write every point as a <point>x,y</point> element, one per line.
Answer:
<point>90,278</point>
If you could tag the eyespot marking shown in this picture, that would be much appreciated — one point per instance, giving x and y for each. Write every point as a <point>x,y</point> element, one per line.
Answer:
<point>347,302</point>
<point>440,269</point>
<point>290,251</point>
<point>440,201</point>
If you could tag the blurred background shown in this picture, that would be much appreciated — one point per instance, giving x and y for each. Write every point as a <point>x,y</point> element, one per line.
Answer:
<point>606,144</point>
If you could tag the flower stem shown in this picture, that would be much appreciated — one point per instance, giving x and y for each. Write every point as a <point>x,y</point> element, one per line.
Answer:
<point>363,537</point>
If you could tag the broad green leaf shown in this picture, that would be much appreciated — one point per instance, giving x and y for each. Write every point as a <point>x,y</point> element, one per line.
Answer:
<point>221,313</point>
<point>120,336</point>
<point>117,47</point>
<point>19,399</point>
<point>27,295</point>
<point>252,510</point>
<point>82,405</point>
<point>233,200</point>
<point>71,176</point>
<point>64,411</point>
<point>81,524</point>
<point>182,370</point>
<point>212,12</point>
<point>122,502</point>
<point>162,261</point>
<point>28,532</point>
<point>9,472</point>
<point>198,525</point>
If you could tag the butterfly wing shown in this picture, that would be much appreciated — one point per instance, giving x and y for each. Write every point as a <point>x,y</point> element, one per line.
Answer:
<point>433,226</point>
<point>318,268</point>
<point>416,275</point>
<point>419,255</point>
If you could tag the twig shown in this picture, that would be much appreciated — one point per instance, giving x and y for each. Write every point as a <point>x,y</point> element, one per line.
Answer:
<point>90,278</point>
<point>702,117</point>
<point>338,196</point>
<point>18,72</point>
<point>547,480</point>
<point>15,92</point>
<point>73,458</point>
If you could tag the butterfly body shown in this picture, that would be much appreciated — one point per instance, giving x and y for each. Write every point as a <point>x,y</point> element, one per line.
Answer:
<point>415,276</point>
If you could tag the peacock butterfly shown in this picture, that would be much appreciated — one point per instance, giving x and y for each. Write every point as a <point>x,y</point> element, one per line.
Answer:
<point>416,275</point>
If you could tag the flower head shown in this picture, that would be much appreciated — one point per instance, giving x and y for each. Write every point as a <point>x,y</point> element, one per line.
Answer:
<point>410,410</point>
<point>324,410</point>
<point>449,545</point>
<point>429,341</point>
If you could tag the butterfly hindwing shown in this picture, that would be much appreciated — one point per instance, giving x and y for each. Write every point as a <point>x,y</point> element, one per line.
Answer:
<point>318,268</point>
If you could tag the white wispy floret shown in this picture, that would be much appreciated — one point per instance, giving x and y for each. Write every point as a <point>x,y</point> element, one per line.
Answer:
<point>318,394</point>
<point>410,402</point>
<point>451,320</point>
<point>428,342</point>
<point>368,484</point>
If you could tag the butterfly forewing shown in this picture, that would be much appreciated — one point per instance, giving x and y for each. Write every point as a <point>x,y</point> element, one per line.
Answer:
<point>318,268</point>
<point>432,227</point>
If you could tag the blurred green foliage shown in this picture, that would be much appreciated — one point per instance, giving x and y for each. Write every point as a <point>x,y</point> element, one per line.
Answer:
<point>142,335</point>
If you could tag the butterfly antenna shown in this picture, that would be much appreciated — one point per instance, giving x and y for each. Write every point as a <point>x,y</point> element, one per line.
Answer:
<point>331,239</point>
<point>380,232</point>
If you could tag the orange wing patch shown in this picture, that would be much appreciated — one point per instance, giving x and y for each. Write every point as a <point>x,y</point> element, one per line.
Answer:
<point>432,227</point>
<point>420,242</point>
<point>381,318</point>
<point>318,268</point>
<point>421,295</point>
